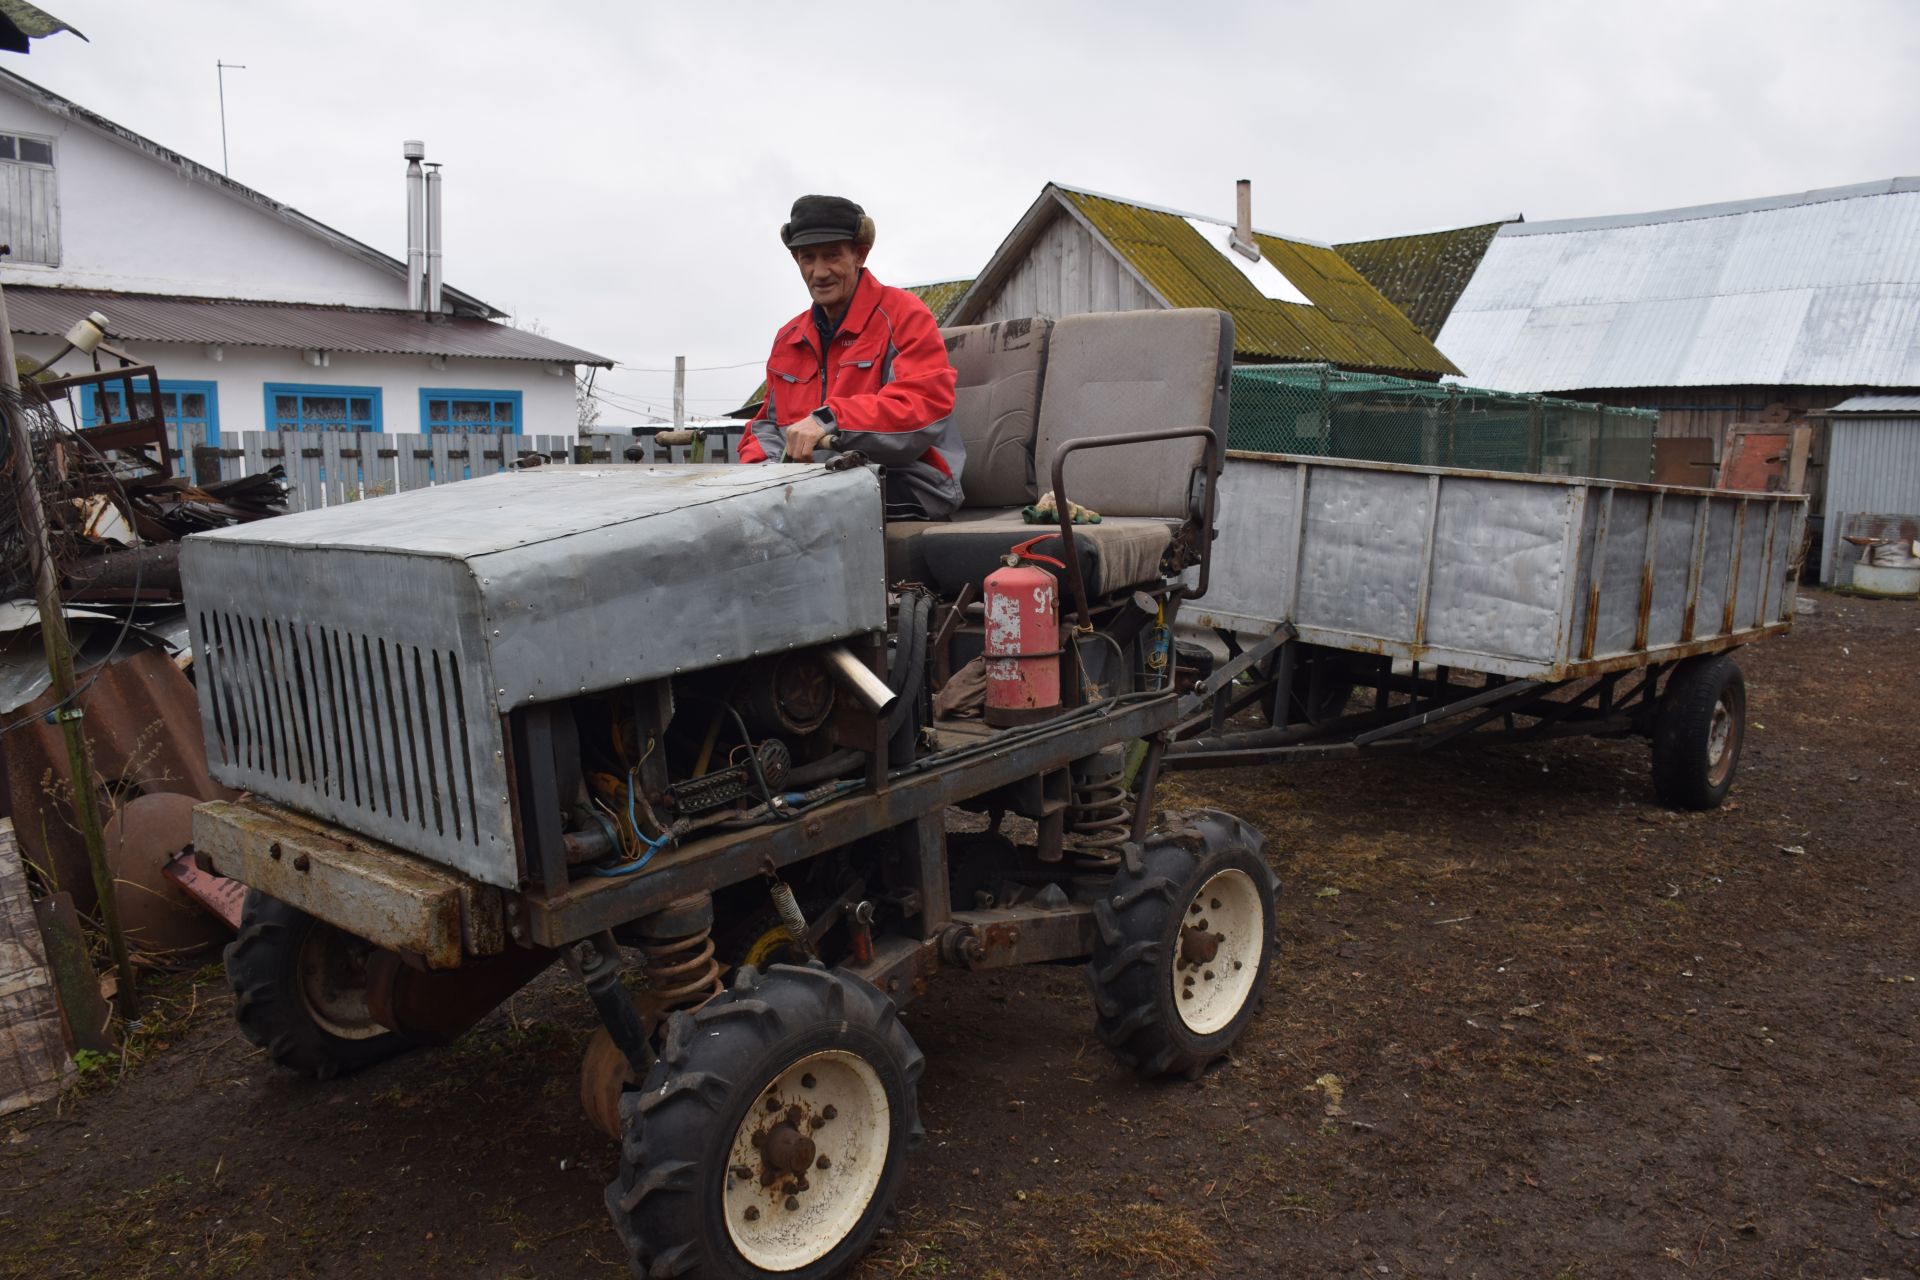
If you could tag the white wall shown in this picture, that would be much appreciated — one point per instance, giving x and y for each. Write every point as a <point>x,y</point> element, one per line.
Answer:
<point>134,223</point>
<point>242,372</point>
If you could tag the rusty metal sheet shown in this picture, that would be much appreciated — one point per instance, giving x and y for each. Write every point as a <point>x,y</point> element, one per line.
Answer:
<point>143,725</point>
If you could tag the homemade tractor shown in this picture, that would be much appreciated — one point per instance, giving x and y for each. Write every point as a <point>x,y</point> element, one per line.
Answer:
<point>675,727</point>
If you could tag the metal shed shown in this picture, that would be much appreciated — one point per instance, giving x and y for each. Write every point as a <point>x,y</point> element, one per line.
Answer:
<point>1873,468</point>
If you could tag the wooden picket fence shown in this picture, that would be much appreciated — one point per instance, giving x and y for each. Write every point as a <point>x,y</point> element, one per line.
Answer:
<point>325,468</point>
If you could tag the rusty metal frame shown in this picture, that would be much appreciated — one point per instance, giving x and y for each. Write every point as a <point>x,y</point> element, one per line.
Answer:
<point>913,793</point>
<point>132,435</point>
<point>1453,713</point>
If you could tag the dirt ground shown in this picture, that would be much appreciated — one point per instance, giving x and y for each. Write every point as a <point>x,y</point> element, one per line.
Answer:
<point>1525,1024</point>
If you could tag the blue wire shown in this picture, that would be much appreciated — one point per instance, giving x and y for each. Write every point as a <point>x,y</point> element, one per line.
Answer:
<point>653,846</point>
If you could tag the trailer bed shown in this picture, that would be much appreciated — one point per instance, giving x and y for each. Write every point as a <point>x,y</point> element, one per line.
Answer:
<point>1540,577</point>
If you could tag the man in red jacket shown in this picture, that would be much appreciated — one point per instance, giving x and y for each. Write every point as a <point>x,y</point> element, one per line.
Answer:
<point>863,370</point>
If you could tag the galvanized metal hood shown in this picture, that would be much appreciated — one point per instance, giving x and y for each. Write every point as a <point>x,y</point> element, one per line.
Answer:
<point>356,661</point>
<point>593,577</point>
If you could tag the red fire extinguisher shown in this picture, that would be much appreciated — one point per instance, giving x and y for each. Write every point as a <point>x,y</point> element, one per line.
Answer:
<point>1023,638</point>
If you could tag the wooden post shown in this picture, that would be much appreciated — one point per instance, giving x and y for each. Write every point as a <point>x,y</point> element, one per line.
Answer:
<point>679,392</point>
<point>59,647</point>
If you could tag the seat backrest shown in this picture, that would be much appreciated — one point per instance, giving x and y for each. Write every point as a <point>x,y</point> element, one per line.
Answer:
<point>1112,372</point>
<point>996,406</point>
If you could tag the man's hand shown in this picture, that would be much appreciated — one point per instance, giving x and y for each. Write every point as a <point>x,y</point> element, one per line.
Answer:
<point>802,436</point>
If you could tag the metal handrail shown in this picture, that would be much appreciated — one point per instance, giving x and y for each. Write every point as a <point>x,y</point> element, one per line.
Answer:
<point>1070,554</point>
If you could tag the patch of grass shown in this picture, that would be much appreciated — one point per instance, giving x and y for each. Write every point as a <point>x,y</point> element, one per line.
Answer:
<point>1128,1237</point>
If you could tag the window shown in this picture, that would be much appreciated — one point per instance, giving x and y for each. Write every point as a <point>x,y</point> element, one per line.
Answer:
<point>29,211</point>
<point>291,407</point>
<point>182,404</point>
<point>26,150</point>
<point>492,412</point>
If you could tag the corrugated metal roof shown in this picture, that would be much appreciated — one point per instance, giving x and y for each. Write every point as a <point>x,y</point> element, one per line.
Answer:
<point>1816,289</point>
<point>151,318</point>
<point>1878,404</point>
<point>1422,274</point>
<point>1349,323</point>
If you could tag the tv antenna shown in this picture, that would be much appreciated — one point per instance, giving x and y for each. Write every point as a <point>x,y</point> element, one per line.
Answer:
<point>220,70</point>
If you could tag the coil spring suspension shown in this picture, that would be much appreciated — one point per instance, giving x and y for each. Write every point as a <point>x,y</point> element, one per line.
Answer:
<point>1100,815</point>
<point>682,972</point>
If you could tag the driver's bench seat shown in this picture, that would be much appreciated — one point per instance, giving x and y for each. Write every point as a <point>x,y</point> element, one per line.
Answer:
<point>1097,374</point>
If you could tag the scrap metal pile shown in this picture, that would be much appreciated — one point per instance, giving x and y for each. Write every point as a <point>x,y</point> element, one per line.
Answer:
<point>115,514</point>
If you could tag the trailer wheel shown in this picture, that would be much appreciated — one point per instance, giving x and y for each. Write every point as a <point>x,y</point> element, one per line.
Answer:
<point>1697,737</point>
<point>1186,935</point>
<point>771,1136</point>
<point>300,991</point>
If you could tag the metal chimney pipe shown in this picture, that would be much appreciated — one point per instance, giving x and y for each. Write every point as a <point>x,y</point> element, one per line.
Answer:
<point>415,151</point>
<point>1242,240</point>
<point>433,240</point>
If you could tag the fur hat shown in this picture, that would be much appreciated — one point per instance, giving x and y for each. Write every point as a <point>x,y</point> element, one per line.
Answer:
<point>825,219</point>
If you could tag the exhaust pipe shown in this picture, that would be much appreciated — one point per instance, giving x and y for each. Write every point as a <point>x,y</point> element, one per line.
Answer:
<point>859,679</point>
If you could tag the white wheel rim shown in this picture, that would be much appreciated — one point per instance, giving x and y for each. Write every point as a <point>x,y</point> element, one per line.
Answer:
<point>1719,734</point>
<point>332,977</point>
<point>831,1109</point>
<point>1216,955</point>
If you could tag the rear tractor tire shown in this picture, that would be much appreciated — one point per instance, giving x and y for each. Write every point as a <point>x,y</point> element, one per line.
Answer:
<point>300,992</point>
<point>1698,733</point>
<point>771,1137</point>
<point>1186,936</point>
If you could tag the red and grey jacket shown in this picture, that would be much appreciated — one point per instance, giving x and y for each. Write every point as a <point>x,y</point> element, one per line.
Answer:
<point>887,383</point>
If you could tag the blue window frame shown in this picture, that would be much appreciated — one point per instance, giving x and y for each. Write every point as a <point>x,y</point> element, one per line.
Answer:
<point>293,406</point>
<point>445,409</point>
<point>181,404</point>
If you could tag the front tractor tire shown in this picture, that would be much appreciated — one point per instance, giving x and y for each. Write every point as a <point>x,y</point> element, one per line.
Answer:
<point>1698,733</point>
<point>771,1137</point>
<point>1186,936</point>
<point>300,992</point>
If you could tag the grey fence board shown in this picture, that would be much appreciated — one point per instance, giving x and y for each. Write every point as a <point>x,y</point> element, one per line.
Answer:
<point>325,468</point>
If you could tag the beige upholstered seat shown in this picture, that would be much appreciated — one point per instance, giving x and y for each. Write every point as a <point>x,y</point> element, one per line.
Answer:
<point>996,406</point>
<point>1104,374</point>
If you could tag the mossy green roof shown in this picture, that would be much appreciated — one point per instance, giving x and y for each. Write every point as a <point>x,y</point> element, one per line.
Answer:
<point>939,295</point>
<point>1423,275</point>
<point>1349,324</point>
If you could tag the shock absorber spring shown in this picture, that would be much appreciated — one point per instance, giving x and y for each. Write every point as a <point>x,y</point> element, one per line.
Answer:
<point>1100,815</point>
<point>682,972</point>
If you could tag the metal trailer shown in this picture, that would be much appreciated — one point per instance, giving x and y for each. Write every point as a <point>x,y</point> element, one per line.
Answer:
<point>1481,607</point>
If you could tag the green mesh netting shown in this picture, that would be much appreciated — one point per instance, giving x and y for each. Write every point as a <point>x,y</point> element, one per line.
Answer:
<point>1318,409</point>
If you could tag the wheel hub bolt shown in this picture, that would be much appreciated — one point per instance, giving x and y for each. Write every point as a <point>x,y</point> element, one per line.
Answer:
<point>829,1112</point>
<point>823,1163</point>
<point>1213,904</point>
<point>752,1214</point>
<point>793,1202</point>
<point>773,1104</point>
<point>806,1082</point>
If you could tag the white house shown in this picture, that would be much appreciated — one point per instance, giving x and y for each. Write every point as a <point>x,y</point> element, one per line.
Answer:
<point>255,315</point>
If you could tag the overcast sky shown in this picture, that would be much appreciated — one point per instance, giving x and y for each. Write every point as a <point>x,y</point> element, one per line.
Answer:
<point>618,171</point>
